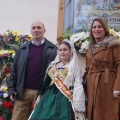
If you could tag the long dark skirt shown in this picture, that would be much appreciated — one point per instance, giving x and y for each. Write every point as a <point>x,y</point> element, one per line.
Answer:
<point>53,106</point>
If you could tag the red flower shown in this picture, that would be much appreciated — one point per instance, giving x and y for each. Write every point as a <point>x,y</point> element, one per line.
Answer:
<point>4,43</point>
<point>31,107</point>
<point>60,39</point>
<point>7,70</point>
<point>7,105</point>
<point>1,118</point>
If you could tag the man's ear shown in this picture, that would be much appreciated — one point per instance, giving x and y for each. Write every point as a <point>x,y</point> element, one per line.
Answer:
<point>44,30</point>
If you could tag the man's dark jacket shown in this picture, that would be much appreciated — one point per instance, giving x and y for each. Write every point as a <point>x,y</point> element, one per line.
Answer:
<point>17,77</point>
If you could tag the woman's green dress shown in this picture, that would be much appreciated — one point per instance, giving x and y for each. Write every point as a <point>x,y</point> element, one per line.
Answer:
<point>53,104</point>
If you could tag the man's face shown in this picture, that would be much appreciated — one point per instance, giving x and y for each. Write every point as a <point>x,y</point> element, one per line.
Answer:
<point>37,30</point>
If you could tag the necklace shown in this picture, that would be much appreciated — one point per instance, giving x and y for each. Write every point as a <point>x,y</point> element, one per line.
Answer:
<point>61,65</point>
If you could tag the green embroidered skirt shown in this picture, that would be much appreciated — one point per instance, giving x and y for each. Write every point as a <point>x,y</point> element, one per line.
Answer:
<point>53,105</point>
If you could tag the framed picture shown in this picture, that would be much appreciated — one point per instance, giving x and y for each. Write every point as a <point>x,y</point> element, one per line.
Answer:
<point>78,14</point>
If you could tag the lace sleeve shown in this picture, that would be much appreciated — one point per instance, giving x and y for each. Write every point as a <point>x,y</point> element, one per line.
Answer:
<point>78,93</point>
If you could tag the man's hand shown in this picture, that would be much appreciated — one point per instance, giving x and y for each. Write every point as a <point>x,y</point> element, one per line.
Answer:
<point>13,97</point>
<point>37,101</point>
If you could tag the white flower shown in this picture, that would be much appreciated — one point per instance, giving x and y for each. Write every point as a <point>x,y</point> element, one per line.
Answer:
<point>26,34</point>
<point>6,51</point>
<point>2,88</point>
<point>13,55</point>
<point>114,33</point>
<point>84,46</point>
<point>5,95</point>
<point>79,36</point>
<point>0,103</point>
<point>118,34</point>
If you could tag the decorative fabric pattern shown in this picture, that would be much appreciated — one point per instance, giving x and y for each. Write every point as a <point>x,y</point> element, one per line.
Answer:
<point>58,80</point>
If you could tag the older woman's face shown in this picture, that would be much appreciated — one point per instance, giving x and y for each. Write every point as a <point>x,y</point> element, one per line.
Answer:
<point>98,31</point>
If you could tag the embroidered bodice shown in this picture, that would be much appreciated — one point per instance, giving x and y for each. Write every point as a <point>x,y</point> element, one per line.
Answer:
<point>62,72</point>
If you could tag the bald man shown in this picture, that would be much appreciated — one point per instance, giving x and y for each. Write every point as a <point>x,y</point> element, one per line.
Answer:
<point>28,71</point>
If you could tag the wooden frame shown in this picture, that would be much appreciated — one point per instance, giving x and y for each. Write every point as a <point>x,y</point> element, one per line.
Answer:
<point>60,18</point>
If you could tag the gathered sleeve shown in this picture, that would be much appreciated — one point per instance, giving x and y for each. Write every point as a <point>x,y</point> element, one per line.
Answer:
<point>78,93</point>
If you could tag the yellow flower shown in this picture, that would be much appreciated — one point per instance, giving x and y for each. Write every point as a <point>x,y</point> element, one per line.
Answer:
<point>5,89</point>
<point>30,36</point>
<point>5,34</point>
<point>16,38</point>
<point>112,32</point>
<point>15,32</point>
<point>2,52</point>
<point>11,52</point>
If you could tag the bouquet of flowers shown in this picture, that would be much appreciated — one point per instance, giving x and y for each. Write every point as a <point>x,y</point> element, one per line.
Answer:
<point>81,41</point>
<point>6,59</point>
<point>6,107</point>
<point>10,41</point>
<point>13,40</point>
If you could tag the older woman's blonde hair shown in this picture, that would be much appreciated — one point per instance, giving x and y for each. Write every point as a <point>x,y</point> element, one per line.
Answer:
<point>105,26</point>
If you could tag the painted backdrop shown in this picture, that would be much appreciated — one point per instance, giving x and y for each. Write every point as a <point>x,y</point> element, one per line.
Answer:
<point>80,13</point>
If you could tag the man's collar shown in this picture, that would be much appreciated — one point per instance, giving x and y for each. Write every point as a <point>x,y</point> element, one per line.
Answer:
<point>40,43</point>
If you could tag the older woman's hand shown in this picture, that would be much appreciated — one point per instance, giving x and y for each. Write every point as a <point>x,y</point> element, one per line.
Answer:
<point>116,93</point>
